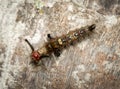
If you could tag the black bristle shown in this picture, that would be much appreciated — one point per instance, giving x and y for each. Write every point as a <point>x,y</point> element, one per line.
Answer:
<point>29,44</point>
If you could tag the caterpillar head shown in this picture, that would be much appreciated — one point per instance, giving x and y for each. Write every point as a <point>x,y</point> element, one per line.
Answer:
<point>36,55</point>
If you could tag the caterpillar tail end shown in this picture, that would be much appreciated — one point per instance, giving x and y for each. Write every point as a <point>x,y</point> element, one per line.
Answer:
<point>92,27</point>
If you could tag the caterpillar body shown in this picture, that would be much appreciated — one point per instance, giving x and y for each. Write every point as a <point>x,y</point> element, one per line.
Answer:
<point>56,45</point>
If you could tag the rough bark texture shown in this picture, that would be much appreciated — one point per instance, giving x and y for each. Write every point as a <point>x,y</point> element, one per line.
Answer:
<point>92,64</point>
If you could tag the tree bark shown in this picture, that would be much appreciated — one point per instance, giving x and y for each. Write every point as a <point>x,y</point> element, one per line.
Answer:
<point>91,64</point>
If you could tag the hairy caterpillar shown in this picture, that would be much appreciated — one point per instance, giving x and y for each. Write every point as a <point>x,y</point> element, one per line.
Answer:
<point>56,45</point>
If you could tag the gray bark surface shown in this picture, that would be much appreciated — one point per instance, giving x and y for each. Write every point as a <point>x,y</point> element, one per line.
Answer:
<point>93,63</point>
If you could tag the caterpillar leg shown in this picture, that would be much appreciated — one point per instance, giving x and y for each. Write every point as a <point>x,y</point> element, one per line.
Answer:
<point>57,52</point>
<point>45,56</point>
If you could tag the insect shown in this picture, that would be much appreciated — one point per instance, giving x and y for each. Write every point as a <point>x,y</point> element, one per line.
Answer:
<point>56,45</point>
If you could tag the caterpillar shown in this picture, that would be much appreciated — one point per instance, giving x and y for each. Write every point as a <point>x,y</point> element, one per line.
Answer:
<point>56,45</point>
